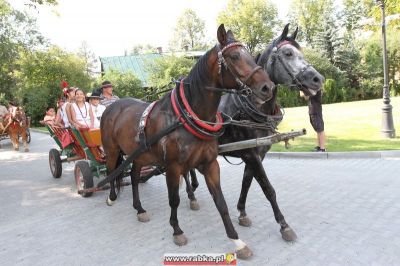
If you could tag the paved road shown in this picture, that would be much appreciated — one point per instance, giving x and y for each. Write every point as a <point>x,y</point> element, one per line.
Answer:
<point>345,212</point>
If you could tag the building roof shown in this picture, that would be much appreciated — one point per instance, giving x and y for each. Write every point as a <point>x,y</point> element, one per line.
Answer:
<point>134,63</point>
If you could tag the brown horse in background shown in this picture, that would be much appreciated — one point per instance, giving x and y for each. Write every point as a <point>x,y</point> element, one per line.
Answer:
<point>17,126</point>
<point>226,67</point>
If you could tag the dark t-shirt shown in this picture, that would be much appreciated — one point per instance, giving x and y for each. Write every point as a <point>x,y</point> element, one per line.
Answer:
<point>315,104</point>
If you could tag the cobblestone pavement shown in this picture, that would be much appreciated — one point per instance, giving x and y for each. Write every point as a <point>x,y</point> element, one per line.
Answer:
<point>345,212</point>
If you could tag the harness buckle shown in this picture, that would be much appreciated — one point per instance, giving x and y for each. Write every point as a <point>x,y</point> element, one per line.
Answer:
<point>246,91</point>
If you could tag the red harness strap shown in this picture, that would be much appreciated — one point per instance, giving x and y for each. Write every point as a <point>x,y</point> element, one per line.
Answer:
<point>213,128</point>
<point>200,123</point>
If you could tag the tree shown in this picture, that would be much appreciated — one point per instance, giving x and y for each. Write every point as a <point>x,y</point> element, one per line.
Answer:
<point>89,58</point>
<point>143,49</point>
<point>163,70</point>
<point>392,7</point>
<point>124,84</point>
<point>254,22</point>
<point>308,15</point>
<point>39,76</point>
<point>17,32</point>
<point>189,32</point>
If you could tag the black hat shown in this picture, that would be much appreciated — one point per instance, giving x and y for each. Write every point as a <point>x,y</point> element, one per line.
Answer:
<point>95,93</point>
<point>106,84</point>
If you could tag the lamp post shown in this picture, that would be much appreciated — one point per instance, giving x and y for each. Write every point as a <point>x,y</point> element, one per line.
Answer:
<point>387,129</point>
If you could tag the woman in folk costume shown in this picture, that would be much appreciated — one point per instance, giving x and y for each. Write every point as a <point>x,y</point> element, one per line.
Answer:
<point>81,112</point>
<point>64,114</point>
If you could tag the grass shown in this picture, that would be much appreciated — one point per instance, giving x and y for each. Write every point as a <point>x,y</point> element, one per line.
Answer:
<point>41,129</point>
<point>350,126</point>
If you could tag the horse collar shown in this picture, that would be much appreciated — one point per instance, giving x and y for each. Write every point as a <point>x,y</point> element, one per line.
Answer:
<point>201,129</point>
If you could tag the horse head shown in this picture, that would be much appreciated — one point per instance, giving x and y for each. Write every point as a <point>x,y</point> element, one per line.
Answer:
<point>242,71</point>
<point>20,117</point>
<point>285,64</point>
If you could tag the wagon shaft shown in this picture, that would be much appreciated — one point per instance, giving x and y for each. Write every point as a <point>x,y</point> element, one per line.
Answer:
<point>252,143</point>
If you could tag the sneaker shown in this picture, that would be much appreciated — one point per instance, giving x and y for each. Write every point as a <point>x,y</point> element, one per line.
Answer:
<point>321,150</point>
<point>316,148</point>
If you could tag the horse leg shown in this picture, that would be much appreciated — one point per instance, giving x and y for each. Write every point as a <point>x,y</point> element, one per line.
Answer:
<point>212,177</point>
<point>135,178</point>
<point>173,178</point>
<point>248,174</point>
<point>259,173</point>
<point>194,205</point>
<point>195,182</point>
<point>24,139</point>
<point>112,163</point>
<point>14,139</point>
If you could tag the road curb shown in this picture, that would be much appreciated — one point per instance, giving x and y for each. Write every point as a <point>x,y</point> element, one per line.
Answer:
<point>316,155</point>
<point>336,155</point>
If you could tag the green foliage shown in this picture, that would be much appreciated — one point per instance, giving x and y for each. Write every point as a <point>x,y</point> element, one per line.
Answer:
<point>189,32</point>
<point>289,98</point>
<point>40,74</point>
<point>143,49</point>
<point>17,33</point>
<point>252,21</point>
<point>124,84</point>
<point>163,70</point>
<point>392,7</point>
<point>308,15</point>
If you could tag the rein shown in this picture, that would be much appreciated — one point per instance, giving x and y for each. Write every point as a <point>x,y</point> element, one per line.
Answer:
<point>261,120</point>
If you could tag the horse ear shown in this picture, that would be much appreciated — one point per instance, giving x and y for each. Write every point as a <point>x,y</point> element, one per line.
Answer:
<point>221,35</point>
<point>230,36</point>
<point>285,32</point>
<point>294,35</point>
<point>257,57</point>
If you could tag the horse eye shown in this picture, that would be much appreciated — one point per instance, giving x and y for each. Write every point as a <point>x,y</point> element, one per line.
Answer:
<point>288,53</point>
<point>235,56</point>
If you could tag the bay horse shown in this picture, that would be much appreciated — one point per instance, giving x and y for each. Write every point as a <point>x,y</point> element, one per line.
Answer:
<point>188,116</point>
<point>17,126</point>
<point>285,64</point>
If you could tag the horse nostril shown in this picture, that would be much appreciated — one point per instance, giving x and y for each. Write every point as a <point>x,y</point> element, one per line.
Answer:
<point>316,79</point>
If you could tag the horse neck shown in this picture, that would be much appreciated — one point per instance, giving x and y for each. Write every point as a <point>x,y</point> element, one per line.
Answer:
<point>202,101</point>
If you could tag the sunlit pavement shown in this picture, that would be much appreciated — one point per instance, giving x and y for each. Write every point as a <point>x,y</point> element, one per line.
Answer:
<point>344,211</point>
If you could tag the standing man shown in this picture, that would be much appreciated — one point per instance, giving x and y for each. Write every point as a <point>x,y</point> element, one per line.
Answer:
<point>107,97</point>
<point>3,113</point>
<point>316,119</point>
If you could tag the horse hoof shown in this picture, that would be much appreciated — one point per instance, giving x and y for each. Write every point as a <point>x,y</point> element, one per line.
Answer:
<point>110,202</point>
<point>244,253</point>
<point>180,240</point>
<point>26,149</point>
<point>16,149</point>
<point>194,205</point>
<point>288,234</point>
<point>143,217</point>
<point>244,221</point>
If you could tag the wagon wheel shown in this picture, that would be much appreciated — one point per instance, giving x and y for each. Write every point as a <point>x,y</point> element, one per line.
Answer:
<point>55,163</point>
<point>28,135</point>
<point>83,177</point>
